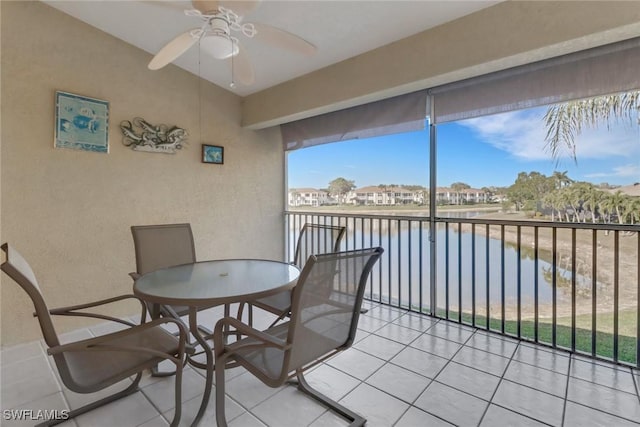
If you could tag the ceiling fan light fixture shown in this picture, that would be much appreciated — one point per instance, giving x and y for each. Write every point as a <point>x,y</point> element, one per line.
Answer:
<point>219,46</point>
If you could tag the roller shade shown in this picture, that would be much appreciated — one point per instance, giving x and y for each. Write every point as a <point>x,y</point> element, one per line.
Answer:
<point>402,113</point>
<point>598,71</point>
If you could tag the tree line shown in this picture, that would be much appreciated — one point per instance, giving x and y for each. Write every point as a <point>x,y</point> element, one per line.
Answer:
<point>572,201</point>
<point>558,196</point>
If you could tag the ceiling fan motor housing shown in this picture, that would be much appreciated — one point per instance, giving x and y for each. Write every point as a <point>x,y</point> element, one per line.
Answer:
<point>217,41</point>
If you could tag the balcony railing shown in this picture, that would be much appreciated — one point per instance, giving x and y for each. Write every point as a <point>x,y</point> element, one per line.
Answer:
<point>571,286</point>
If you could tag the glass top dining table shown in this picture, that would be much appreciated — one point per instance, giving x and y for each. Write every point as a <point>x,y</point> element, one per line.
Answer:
<point>216,282</point>
<point>209,283</point>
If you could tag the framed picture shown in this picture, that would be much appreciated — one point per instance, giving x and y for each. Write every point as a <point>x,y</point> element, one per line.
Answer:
<point>82,123</point>
<point>212,154</point>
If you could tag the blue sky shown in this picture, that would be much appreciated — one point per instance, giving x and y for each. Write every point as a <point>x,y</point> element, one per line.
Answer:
<point>481,152</point>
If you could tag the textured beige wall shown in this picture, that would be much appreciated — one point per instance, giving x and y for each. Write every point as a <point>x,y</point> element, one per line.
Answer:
<point>69,212</point>
<point>502,36</point>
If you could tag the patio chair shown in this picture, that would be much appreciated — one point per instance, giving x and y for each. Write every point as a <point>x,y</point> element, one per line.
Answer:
<point>314,239</point>
<point>161,246</point>
<point>93,364</point>
<point>324,316</point>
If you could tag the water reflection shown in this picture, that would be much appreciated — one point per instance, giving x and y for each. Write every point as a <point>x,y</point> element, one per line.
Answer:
<point>470,267</point>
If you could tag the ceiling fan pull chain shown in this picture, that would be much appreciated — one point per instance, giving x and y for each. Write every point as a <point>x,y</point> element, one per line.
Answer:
<point>232,85</point>
<point>199,91</point>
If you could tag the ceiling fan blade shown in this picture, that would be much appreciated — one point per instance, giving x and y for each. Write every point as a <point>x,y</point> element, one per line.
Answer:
<point>176,6</point>
<point>205,6</point>
<point>241,67</point>
<point>172,50</point>
<point>283,39</point>
<point>241,7</point>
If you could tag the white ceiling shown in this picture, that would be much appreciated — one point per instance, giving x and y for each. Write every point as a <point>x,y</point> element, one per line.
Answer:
<point>339,29</point>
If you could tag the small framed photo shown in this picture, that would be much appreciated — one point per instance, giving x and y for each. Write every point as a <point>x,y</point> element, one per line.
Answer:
<point>212,154</point>
<point>82,123</point>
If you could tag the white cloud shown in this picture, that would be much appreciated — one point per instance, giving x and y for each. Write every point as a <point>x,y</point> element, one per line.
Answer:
<point>522,134</point>
<point>624,171</point>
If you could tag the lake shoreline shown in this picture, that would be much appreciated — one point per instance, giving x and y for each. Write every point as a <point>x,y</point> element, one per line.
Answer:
<point>584,253</point>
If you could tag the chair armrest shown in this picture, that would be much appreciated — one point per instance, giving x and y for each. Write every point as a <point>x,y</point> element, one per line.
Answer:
<point>72,310</point>
<point>218,333</point>
<point>61,310</point>
<point>95,343</point>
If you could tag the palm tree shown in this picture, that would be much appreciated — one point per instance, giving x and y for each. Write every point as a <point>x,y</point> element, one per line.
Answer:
<point>549,200</point>
<point>575,195</point>
<point>629,208</point>
<point>564,199</point>
<point>557,201</point>
<point>635,210</point>
<point>565,121</point>
<point>592,201</point>
<point>631,212</point>
<point>614,202</point>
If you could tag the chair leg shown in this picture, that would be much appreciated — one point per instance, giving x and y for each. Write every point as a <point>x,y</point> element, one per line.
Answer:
<point>221,418</point>
<point>156,373</point>
<point>93,405</point>
<point>178,393</point>
<point>249,312</point>
<point>241,311</point>
<point>155,313</point>
<point>159,374</point>
<point>355,419</point>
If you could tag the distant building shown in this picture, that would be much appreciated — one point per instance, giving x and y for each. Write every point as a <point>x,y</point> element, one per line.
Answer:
<point>383,196</point>
<point>473,195</point>
<point>449,196</point>
<point>446,196</point>
<point>309,197</point>
<point>390,196</point>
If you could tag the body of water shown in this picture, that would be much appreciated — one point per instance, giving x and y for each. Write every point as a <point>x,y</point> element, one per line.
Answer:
<point>469,263</point>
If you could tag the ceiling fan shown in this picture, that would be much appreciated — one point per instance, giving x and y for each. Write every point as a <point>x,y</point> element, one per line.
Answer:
<point>215,37</point>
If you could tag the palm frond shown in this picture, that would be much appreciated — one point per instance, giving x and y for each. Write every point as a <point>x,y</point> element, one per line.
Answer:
<point>564,122</point>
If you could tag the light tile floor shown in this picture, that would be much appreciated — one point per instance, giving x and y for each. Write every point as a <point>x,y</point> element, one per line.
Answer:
<point>404,370</point>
